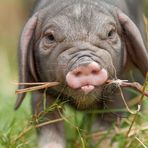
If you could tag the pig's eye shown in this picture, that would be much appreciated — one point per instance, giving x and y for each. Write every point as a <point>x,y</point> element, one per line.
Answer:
<point>111,34</point>
<point>50,38</point>
<point>49,41</point>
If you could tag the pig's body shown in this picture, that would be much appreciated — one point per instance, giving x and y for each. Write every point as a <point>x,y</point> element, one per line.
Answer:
<point>81,44</point>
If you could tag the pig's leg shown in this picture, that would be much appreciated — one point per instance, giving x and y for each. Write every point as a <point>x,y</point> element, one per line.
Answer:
<point>50,136</point>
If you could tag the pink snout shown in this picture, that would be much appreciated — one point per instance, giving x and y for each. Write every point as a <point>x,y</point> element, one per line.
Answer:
<point>87,77</point>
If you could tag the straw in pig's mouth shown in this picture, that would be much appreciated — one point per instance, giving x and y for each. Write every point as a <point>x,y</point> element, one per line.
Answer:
<point>45,85</point>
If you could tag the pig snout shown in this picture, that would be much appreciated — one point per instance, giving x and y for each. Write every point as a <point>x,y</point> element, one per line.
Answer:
<point>87,77</point>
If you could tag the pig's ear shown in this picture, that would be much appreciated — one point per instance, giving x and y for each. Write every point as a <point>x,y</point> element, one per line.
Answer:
<point>26,69</point>
<point>135,45</point>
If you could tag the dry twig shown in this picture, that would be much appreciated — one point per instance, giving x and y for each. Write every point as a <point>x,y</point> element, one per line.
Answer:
<point>135,130</point>
<point>26,130</point>
<point>41,86</point>
<point>135,85</point>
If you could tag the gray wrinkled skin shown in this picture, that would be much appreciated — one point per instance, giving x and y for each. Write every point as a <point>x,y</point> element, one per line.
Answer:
<point>66,34</point>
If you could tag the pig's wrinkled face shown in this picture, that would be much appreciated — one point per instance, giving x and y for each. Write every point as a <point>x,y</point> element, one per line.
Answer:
<point>81,48</point>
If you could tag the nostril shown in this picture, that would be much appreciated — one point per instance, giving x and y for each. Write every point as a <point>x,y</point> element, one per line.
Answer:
<point>95,72</point>
<point>78,73</point>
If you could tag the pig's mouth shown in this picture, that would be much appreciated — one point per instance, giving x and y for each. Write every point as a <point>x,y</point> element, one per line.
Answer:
<point>87,88</point>
<point>87,78</point>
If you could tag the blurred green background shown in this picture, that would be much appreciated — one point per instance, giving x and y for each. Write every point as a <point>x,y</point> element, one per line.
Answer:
<point>13,14</point>
<point>12,17</point>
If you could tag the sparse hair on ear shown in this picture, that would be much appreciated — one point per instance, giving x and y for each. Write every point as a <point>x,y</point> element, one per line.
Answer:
<point>136,48</point>
<point>25,61</point>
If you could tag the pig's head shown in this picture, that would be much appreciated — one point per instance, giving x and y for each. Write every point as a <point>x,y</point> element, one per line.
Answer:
<point>80,45</point>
